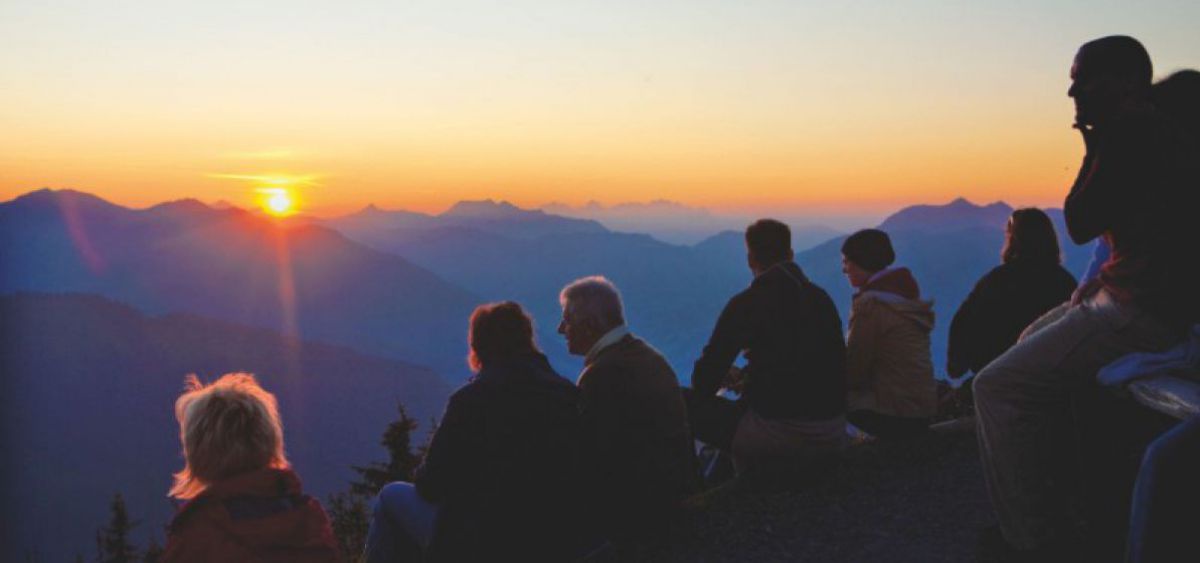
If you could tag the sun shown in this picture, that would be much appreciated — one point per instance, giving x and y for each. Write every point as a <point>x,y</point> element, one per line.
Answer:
<point>278,201</point>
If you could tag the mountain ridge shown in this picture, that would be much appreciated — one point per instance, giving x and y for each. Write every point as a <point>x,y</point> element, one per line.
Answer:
<point>90,383</point>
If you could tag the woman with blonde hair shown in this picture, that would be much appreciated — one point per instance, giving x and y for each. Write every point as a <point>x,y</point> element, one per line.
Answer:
<point>242,500</point>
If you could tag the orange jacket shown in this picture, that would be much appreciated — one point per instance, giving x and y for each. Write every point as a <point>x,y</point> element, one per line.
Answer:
<point>260,516</point>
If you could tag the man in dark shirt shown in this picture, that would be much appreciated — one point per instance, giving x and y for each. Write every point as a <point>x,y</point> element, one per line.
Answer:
<point>793,388</point>
<point>1136,188</point>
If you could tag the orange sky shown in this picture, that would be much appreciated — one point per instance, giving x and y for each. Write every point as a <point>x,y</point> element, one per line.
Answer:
<point>770,105</point>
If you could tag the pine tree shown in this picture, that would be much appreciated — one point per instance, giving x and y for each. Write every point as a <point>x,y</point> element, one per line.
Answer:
<point>397,439</point>
<point>112,543</point>
<point>350,519</point>
<point>349,512</point>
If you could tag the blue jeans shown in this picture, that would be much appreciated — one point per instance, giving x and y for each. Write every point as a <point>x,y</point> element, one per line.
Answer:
<point>1162,526</point>
<point>401,522</point>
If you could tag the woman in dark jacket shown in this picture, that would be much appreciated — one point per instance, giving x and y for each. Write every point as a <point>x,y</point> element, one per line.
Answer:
<point>501,479</point>
<point>1030,282</point>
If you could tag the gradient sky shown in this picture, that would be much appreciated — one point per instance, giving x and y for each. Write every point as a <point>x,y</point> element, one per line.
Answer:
<point>738,106</point>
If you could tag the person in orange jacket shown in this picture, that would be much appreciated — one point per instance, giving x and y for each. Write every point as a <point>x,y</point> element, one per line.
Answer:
<point>243,501</point>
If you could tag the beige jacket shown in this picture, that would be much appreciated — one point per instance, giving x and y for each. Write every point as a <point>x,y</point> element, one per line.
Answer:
<point>888,364</point>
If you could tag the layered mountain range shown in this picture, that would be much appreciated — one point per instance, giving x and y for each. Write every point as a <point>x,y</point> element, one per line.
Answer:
<point>304,280</point>
<point>105,308</point>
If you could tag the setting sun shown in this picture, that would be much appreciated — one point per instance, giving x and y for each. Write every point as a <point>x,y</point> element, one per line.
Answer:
<point>278,201</point>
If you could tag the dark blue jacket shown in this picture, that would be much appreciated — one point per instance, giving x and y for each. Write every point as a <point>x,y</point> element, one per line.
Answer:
<point>791,334</point>
<point>503,467</point>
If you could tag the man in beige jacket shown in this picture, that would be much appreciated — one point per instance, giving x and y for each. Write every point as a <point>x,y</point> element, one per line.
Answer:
<point>640,446</point>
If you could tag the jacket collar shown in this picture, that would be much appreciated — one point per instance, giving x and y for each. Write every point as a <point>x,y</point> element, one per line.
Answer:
<point>788,268</point>
<point>611,337</point>
<point>897,281</point>
<point>267,482</point>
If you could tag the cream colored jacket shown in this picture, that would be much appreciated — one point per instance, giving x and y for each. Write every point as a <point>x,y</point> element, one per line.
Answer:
<point>888,364</point>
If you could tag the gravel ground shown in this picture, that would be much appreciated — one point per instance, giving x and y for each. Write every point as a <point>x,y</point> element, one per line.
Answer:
<point>920,501</point>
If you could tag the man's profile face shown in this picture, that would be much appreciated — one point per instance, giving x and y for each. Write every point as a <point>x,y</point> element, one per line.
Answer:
<point>1097,93</point>
<point>575,332</point>
<point>857,276</point>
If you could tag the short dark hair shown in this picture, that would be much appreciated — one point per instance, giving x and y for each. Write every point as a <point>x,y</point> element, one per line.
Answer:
<point>870,249</point>
<point>499,331</point>
<point>1123,56</point>
<point>769,241</point>
<point>1030,237</point>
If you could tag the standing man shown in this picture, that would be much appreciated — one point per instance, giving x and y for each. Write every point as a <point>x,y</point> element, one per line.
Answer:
<point>1137,189</point>
<point>794,387</point>
<point>633,414</point>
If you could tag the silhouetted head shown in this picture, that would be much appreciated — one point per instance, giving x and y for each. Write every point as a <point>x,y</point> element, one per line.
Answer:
<point>499,331</point>
<point>591,307</point>
<point>768,242</point>
<point>1178,95</point>
<point>227,428</point>
<point>1030,237</point>
<point>864,254</point>
<point>1108,75</point>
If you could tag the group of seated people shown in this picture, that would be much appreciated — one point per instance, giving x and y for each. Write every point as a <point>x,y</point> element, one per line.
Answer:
<point>525,462</point>
<point>526,465</point>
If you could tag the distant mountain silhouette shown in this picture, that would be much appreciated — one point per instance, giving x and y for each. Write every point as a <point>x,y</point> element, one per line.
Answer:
<point>503,218</point>
<point>87,404</point>
<point>230,264</point>
<point>956,215</point>
<point>677,223</point>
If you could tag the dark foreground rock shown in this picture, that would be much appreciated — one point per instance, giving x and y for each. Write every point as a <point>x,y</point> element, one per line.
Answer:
<point>920,501</point>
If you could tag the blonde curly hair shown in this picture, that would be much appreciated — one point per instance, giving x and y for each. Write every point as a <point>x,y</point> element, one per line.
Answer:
<point>228,427</point>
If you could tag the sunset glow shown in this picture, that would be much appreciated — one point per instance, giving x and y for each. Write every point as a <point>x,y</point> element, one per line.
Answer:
<point>762,106</point>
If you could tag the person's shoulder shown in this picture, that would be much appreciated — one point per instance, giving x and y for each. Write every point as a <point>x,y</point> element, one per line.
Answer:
<point>647,354</point>
<point>817,293</point>
<point>618,355</point>
<point>631,356</point>
<point>1000,271</point>
<point>474,390</point>
<point>864,303</point>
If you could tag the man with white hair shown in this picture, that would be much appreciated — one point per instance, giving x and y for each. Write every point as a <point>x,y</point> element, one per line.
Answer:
<point>633,413</point>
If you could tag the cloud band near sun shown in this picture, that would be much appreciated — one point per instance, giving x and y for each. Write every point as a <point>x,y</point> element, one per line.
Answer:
<point>271,180</point>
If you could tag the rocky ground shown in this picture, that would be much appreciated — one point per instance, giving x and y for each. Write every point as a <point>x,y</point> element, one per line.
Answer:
<point>920,501</point>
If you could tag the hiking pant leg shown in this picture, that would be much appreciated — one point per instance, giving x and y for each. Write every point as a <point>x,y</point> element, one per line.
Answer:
<point>1048,318</point>
<point>401,523</point>
<point>1161,528</point>
<point>887,427</point>
<point>714,420</point>
<point>1022,401</point>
